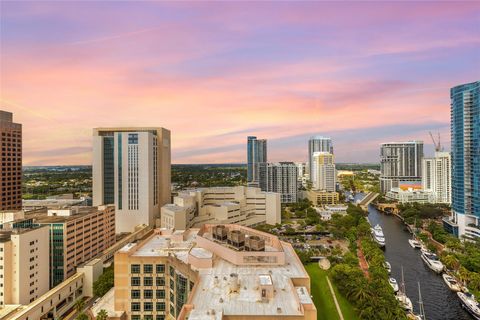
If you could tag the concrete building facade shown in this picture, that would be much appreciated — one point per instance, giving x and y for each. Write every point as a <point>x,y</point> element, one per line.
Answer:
<point>282,178</point>
<point>76,235</point>
<point>317,144</point>
<point>324,175</point>
<point>23,262</point>
<point>437,177</point>
<point>132,169</point>
<point>401,165</point>
<point>218,271</point>
<point>11,163</point>
<point>241,205</point>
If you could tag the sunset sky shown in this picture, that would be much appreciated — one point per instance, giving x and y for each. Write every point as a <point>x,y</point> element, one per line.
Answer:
<point>360,72</point>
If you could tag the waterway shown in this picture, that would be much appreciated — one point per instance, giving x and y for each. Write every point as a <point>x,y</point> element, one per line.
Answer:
<point>440,303</point>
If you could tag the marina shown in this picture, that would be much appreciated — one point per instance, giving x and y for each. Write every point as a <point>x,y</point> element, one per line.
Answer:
<point>439,302</point>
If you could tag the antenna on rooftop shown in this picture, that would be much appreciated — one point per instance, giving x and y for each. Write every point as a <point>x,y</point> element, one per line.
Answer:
<point>436,143</point>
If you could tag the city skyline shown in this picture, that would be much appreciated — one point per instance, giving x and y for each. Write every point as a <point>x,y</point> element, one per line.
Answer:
<point>215,74</point>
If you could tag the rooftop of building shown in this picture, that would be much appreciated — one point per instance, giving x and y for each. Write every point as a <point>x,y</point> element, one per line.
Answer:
<point>76,212</point>
<point>6,235</point>
<point>225,287</point>
<point>402,142</point>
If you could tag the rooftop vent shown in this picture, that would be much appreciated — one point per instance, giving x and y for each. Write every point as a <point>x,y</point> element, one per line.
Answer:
<point>254,243</point>
<point>236,238</point>
<point>220,233</point>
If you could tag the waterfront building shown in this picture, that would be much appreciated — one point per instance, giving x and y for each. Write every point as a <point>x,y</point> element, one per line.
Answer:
<point>214,272</point>
<point>321,198</point>
<point>410,195</point>
<point>465,137</point>
<point>256,154</point>
<point>437,177</point>
<point>324,176</point>
<point>317,144</point>
<point>282,178</point>
<point>76,235</point>
<point>246,206</point>
<point>401,165</point>
<point>131,169</point>
<point>11,163</point>
<point>23,263</point>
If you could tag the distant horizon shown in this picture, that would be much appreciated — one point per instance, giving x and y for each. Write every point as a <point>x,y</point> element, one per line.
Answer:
<point>361,73</point>
<point>195,164</point>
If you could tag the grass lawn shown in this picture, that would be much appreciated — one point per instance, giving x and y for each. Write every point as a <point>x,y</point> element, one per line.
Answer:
<point>323,299</point>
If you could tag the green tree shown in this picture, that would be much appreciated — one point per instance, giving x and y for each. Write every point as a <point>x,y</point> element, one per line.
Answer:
<point>104,283</point>
<point>79,305</point>
<point>82,316</point>
<point>102,315</point>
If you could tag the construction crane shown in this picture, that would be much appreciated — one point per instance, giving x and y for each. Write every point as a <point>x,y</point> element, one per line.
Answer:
<point>436,143</point>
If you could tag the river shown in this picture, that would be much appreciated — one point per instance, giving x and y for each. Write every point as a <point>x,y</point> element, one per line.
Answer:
<point>440,303</point>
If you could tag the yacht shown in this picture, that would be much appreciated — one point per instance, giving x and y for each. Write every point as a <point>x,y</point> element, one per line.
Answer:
<point>387,266</point>
<point>378,235</point>
<point>470,304</point>
<point>452,283</point>
<point>431,260</point>
<point>394,284</point>
<point>414,243</point>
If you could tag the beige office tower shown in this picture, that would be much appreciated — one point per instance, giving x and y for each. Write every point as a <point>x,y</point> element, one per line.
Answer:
<point>24,269</point>
<point>324,173</point>
<point>131,169</point>
<point>215,272</point>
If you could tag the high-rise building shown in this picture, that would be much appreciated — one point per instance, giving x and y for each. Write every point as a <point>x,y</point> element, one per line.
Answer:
<point>323,172</point>
<point>317,144</point>
<point>437,177</point>
<point>256,154</point>
<point>465,137</point>
<point>77,234</point>
<point>401,165</point>
<point>215,272</point>
<point>131,169</point>
<point>11,160</point>
<point>23,263</point>
<point>247,206</point>
<point>282,178</point>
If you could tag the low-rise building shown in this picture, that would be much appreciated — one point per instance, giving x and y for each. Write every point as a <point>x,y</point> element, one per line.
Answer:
<point>321,198</point>
<point>23,264</point>
<point>246,206</point>
<point>77,234</point>
<point>215,272</point>
<point>408,196</point>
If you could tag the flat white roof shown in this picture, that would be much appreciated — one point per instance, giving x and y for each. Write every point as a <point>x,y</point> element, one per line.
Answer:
<point>213,291</point>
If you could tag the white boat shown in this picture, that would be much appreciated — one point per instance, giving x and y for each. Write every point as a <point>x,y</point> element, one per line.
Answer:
<point>405,301</point>
<point>452,283</point>
<point>470,304</point>
<point>387,266</point>
<point>431,260</point>
<point>378,235</point>
<point>414,243</point>
<point>401,296</point>
<point>394,284</point>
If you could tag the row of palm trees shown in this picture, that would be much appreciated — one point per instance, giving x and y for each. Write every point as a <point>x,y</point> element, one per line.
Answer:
<point>373,297</point>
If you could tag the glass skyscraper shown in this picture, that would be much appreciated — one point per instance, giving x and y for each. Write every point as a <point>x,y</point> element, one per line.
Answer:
<point>256,154</point>
<point>465,137</point>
